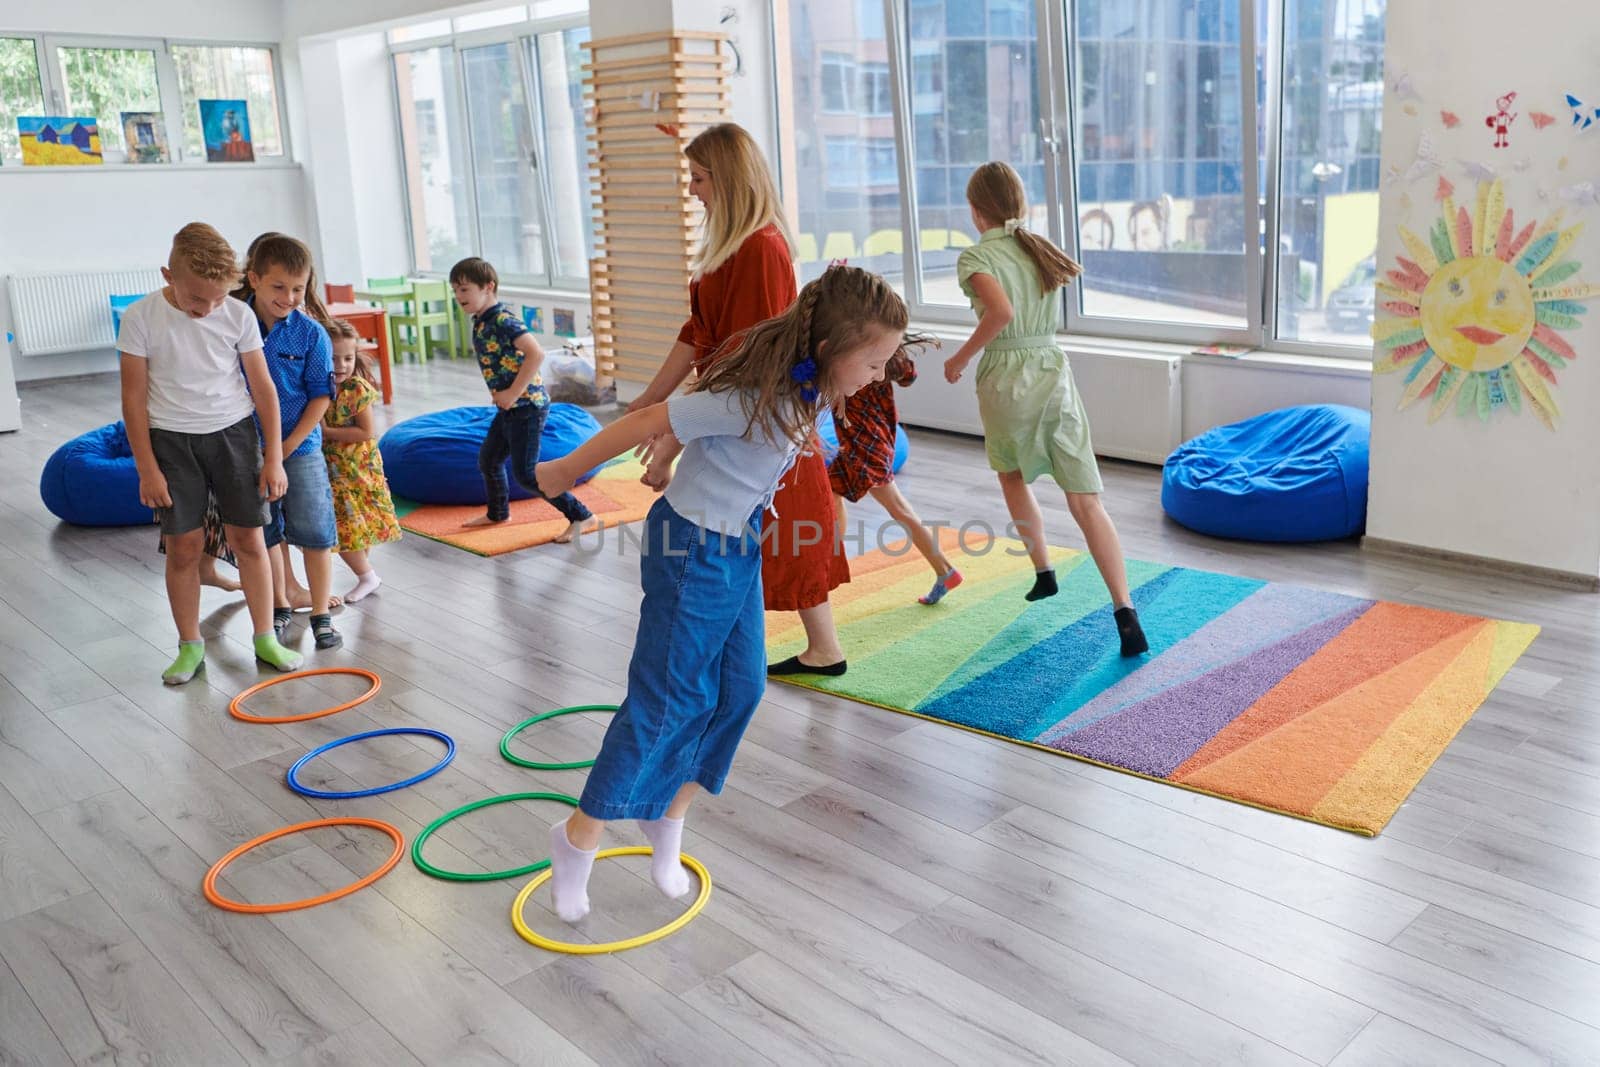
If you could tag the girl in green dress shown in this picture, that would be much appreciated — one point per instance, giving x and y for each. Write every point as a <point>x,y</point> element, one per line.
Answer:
<point>1033,418</point>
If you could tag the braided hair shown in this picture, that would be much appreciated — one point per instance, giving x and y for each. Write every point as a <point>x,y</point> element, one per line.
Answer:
<point>785,364</point>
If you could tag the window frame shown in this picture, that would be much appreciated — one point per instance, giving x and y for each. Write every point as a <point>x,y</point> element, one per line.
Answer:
<point>54,75</point>
<point>1261,150</point>
<point>39,61</point>
<point>524,39</point>
<point>53,88</point>
<point>287,155</point>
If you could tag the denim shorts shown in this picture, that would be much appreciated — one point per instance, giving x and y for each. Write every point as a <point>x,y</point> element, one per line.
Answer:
<point>303,516</point>
<point>698,671</point>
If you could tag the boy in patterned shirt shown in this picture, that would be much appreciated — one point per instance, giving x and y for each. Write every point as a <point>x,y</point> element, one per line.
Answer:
<point>510,359</point>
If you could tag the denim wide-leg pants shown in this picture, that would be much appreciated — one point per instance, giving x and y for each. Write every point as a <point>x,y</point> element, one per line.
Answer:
<point>699,669</point>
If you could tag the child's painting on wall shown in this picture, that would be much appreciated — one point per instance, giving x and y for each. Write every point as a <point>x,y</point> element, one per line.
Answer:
<point>145,135</point>
<point>55,141</point>
<point>226,125</point>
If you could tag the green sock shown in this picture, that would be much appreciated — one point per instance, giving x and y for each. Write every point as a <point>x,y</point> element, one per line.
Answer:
<point>191,654</point>
<point>269,651</point>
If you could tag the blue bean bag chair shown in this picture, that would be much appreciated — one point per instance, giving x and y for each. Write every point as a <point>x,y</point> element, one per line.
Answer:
<point>830,441</point>
<point>92,481</point>
<point>1299,474</point>
<point>433,458</point>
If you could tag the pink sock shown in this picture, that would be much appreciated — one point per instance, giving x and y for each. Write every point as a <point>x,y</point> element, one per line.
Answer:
<point>569,875</point>
<point>666,869</point>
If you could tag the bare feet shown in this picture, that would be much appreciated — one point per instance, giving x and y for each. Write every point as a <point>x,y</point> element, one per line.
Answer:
<point>484,520</point>
<point>300,599</point>
<point>209,576</point>
<point>589,525</point>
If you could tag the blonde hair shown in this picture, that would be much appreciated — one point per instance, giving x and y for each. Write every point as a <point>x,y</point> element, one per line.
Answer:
<point>273,249</point>
<point>833,316</point>
<point>205,253</point>
<point>995,191</point>
<point>746,199</point>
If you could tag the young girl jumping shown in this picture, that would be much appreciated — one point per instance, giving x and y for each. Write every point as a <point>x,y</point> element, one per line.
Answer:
<point>865,465</point>
<point>699,661</point>
<point>1033,418</point>
<point>362,508</point>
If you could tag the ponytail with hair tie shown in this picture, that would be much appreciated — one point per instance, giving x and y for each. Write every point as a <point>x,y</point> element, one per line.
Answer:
<point>1013,225</point>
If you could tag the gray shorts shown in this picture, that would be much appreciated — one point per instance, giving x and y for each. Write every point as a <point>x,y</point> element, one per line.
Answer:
<point>224,465</point>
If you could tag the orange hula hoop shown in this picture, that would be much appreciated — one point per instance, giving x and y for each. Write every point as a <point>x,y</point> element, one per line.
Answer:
<point>236,709</point>
<point>210,883</point>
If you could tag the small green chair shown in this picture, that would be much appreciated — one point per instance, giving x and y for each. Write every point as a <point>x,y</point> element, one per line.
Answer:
<point>428,310</point>
<point>391,294</point>
<point>463,325</point>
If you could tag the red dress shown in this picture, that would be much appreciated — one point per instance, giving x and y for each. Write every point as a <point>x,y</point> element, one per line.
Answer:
<point>866,434</point>
<point>802,564</point>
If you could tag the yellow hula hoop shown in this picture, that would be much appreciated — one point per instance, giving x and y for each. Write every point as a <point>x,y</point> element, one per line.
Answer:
<point>574,948</point>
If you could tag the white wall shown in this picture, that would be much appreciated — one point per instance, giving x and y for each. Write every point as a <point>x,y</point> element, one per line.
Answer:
<point>107,218</point>
<point>1508,489</point>
<point>348,139</point>
<point>228,20</point>
<point>1217,391</point>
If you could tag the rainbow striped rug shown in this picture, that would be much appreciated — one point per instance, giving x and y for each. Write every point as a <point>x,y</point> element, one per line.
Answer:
<point>1318,705</point>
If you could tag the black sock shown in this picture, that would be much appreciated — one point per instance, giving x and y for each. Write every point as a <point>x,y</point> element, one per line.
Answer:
<point>281,617</point>
<point>1044,584</point>
<point>326,635</point>
<point>1132,634</point>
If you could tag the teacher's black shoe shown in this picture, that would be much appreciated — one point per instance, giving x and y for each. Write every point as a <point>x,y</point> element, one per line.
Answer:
<point>792,665</point>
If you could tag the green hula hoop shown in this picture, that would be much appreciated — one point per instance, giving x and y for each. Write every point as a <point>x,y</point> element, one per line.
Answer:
<point>474,876</point>
<point>505,742</point>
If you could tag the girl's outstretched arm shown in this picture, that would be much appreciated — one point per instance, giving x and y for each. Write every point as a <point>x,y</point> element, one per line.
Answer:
<point>556,476</point>
<point>996,317</point>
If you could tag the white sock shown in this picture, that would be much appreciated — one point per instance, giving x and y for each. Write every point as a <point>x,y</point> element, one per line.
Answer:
<point>366,584</point>
<point>569,875</point>
<point>666,869</point>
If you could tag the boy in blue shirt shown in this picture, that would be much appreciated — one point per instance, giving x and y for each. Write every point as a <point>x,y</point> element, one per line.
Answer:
<point>510,359</point>
<point>299,357</point>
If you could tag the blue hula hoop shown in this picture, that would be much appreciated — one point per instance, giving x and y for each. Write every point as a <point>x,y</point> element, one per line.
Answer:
<point>305,791</point>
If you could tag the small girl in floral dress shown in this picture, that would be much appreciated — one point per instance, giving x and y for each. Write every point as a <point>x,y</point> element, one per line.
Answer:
<point>361,504</point>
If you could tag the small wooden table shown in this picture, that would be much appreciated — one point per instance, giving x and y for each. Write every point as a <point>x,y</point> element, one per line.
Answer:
<point>372,323</point>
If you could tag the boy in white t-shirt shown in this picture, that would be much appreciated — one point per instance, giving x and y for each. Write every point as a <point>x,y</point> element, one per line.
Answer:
<point>188,412</point>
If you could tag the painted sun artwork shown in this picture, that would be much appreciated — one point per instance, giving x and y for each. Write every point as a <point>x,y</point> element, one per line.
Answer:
<point>1476,313</point>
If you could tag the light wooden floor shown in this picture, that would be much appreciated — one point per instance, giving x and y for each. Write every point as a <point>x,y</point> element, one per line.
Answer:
<point>887,890</point>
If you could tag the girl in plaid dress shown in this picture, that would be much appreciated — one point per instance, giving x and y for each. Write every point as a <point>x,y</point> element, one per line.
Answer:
<point>865,465</point>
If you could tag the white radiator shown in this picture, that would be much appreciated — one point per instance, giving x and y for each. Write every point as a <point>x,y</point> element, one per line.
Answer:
<point>1134,398</point>
<point>71,311</point>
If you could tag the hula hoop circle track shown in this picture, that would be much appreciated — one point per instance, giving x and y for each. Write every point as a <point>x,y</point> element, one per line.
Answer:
<point>474,876</point>
<point>236,705</point>
<point>216,898</point>
<point>571,948</point>
<point>292,778</point>
<point>505,742</point>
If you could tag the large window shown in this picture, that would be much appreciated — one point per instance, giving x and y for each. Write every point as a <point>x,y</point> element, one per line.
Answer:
<point>974,98</point>
<point>1217,179</point>
<point>1160,162</point>
<point>433,139</point>
<point>1328,181</point>
<point>209,72</point>
<point>103,78</point>
<point>559,59</point>
<point>104,82</point>
<point>844,158</point>
<point>21,91</point>
<point>510,219</point>
<point>494,140</point>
